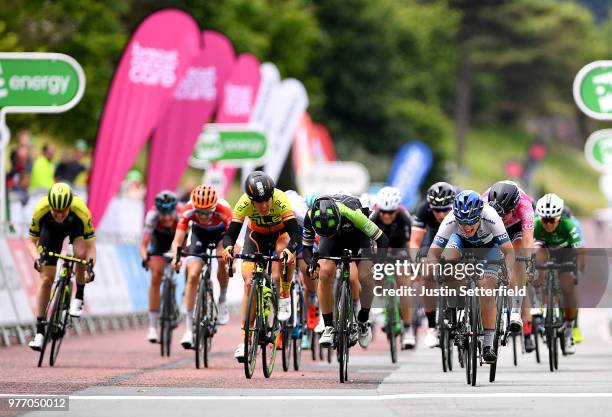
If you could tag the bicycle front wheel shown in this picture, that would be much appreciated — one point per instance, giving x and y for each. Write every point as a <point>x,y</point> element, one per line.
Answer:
<point>252,330</point>
<point>271,327</point>
<point>343,330</point>
<point>474,330</point>
<point>390,328</point>
<point>498,332</point>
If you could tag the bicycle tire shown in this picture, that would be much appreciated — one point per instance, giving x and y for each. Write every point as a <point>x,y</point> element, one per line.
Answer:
<point>515,348</point>
<point>286,345</point>
<point>390,328</point>
<point>252,332</point>
<point>272,330</point>
<point>199,314</point>
<point>496,337</point>
<point>474,338</point>
<point>343,331</point>
<point>47,335</point>
<point>449,351</point>
<point>442,331</point>
<point>210,324</point>
<point>300,315</point>
<point>536,338</point>
<point>314,346</point>
<point>169,315</point>
<point>56,341</point>
<point>551,336</point>
<point>465,340</point>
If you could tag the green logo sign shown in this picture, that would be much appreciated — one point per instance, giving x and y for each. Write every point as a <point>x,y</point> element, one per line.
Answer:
<point>39,82</point>
<point>234,144</point>
<point>593,90</point>
<point>598,150</point>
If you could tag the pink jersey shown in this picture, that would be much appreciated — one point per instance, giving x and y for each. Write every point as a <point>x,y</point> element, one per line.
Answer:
<point>522,213</point>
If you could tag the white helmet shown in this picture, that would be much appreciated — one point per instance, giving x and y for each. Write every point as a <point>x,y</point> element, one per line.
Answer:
<point>389,198</point>
<point>551,205</point>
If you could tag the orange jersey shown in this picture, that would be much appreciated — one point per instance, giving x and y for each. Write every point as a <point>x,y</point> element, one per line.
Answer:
<point>220,219</point>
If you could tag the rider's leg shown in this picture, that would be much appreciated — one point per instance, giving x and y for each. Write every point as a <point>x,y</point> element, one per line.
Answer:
<point>222,274</point>
<point>156,265</point>
<point>194,269</point>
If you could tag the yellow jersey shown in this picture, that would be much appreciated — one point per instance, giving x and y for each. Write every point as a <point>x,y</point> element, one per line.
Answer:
<point>279,212</point>
<point>79,213</point>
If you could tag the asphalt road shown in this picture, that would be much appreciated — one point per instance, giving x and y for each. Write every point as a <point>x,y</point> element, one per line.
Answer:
<point>120,374</point>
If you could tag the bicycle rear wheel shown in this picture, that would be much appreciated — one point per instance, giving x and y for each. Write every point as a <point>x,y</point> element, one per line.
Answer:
<point>551,331</point>
<point>299,330</point>
<point>515,343</point>
<point>286,344</point>
<point>536,337</point>
<point>252,331</point>
<point>272,330</point>
<point>498,332</point>
<point>166,318</point>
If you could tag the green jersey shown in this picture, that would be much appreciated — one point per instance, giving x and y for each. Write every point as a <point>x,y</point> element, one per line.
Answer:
<point>565,235</point>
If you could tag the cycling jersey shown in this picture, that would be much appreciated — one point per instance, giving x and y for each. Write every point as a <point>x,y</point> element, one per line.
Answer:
<point>565,235</point>
<point>78,220</point>
<point>490,232</point>
<point>398,231</point>
<point>280,211</point>
<point>219,220</point>
<point>298,204</point>
<point>522,213</point>
<point>154,226</point>
<point>424,218</point>
<point>351,218</point>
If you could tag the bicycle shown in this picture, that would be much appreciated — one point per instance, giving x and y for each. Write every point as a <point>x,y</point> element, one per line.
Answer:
<point>261,328</point>
<point>393,319</point>
<point>502,318</point>
<point>59,320</point>
<point>206,309</point>
<point>293,328</point>
<point>344,311</point>
<point>554,318</point>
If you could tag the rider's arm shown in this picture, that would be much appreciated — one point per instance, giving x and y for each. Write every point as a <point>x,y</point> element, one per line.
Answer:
<point>367,226</point>
<point>505,245</point>
<point>32,245</point>
<point>416,237</point>
<point>308,239</point>
<point>576,242</point>
<point>293,230</point>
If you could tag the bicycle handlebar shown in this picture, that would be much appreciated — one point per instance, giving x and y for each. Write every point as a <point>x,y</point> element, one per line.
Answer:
<point>87,262</point>
<point>256,257</point>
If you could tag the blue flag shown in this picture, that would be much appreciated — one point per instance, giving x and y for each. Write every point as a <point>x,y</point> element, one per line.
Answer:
<point>409,169</point>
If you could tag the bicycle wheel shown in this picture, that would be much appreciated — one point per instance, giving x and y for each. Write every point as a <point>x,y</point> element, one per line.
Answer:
<point>298,331</point>
<point>343,330</point>
<point>60,331</point>
<point>442,332</point>
<point>210,323</point>
<point>498,332</point>
<point>252,331</point>
<point>286,344</point>
<point>449,347</point>
<point>551,331</point>
<point>515,348</point>
<point>465,341</point>
<point>272,329</point>
<point>536,337</point>
<point>474,330</point>
<point>390,327</point>
<point>314,345</point>
<point>54,303</point>
<point>198,319</point>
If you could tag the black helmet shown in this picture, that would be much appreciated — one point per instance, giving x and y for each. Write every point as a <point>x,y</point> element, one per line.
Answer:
<point>259,186</point>
<point>504,196</point>
<point>441,195</point>
<point>325,217</point>
<point>165,202</point>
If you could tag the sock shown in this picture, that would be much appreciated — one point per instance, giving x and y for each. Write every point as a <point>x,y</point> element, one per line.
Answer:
<point>189,321</point>
<point>364,315</point>
<point>517,302</point>
<point>79,292</point>
<point>406,327</point>
<point>153,316</point>
<point>328,319</point>
<point>431,319</point>
<point>40,326</point>
<point>488,337</point>
<point>222,295</point>
<point>569,325</point>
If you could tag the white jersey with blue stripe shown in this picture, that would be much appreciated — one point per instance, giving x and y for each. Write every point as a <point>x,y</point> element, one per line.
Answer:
<point>298,204</point>
<point>491,230</point>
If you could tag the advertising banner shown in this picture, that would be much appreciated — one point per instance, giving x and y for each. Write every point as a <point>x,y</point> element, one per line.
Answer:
<point>409,169</point>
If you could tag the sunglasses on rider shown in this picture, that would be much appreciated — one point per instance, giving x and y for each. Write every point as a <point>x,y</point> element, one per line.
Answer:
<point>441,210</point>
<point>207,212</point>
<point>387,212</point>
<point>549,220</point>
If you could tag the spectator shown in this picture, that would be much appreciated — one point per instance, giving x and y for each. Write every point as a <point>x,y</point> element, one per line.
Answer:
<point>43,169</point>
<point>18,177</point>
<point>133,186</point>
<point>71,165</point>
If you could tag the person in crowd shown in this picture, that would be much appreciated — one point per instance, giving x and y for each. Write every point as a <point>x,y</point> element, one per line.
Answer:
<point>43,170</point>
<point>72,165</point>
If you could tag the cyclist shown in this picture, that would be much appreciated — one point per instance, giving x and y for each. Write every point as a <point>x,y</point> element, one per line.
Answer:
<point>160,225</point>
<point>58,215</point>
<point>475,225</point>
<point>272,228</point>
<point>515,208</point>
<point>341,224</point>
<point>309,283</point>
<point>395,221</point>
<point>206,217</point>
<point>428,216</point>
<point>557,237</point>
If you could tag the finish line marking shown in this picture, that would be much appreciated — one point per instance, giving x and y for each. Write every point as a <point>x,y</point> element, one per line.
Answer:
<point>385,397</point>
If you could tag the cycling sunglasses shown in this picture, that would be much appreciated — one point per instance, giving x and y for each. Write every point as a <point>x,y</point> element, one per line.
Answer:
<point>549,220</point>
<point>207,212</point>
<point>469,222</point>
<point>441,209</point>
<point>387,212</point>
